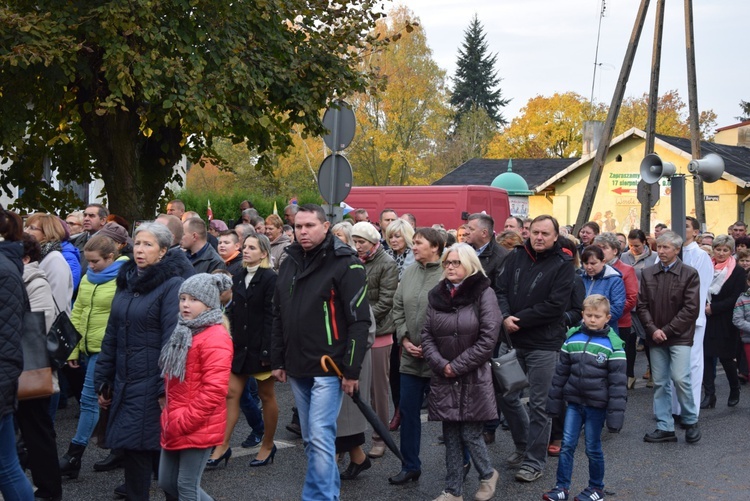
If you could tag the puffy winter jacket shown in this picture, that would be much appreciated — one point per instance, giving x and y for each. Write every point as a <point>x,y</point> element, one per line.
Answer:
<point>143,316</point>
<point>382,281</point>
<point>320,308</point>
<point>741,316</point>
<point>409,311</point>
<point>91,309</point>
<point>195,414</point>
<point>12,307</point>
<point>73,257</point>
<point>609,284</point>
<point>461,330</point>
<point>591,372</point>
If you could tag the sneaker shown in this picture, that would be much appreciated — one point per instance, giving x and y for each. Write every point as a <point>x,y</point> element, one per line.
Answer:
<point>528,474</point>
<point>487,486</point>
<point>590,494</point>
<point>515,460</point>
<point>447,496</point>
<point>556,494</point>
<point>252,440</point>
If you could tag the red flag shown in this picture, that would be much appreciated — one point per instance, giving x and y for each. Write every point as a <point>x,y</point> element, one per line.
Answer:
<point>209,212</point>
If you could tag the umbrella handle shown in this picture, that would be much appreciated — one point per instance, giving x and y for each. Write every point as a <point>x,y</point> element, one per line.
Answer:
<point>325,360</point>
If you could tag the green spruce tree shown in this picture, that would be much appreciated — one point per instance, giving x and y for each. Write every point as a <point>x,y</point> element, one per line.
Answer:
<point>476,84</point>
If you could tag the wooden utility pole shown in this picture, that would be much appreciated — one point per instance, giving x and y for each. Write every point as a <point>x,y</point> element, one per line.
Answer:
<point>695,133</point>
<point>609,125</point>
<point>653,105</point>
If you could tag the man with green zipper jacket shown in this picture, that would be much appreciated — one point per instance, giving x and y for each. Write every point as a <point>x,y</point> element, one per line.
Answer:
<point>320,308</point>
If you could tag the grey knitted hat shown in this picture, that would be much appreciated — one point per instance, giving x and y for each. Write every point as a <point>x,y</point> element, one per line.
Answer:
<point>206,288</point>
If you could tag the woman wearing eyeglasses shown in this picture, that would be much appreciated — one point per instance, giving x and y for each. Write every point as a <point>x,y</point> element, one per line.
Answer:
<point>458,338</point>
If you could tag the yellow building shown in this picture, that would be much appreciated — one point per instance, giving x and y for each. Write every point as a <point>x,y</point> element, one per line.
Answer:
<point>616,206</point>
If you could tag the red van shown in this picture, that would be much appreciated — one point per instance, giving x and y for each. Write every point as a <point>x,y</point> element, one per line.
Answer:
<point>446,205</point>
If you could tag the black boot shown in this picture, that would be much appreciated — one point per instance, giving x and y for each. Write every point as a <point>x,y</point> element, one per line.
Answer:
<point>111,462</point>
<point>734,396</point>
<point>709,401</point>
<point>70,464</point>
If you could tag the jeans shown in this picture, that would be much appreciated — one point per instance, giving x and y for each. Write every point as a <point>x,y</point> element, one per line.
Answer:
<point>180,473</point>
<point>412,393</point>
<point>318,402</point>
<point>89,405</point>
<point>592,419</point>
<point>531,431</point>
<point>672,362</point>
<point>249,406</point>
<point>696,372</point>
<point>14,485</point>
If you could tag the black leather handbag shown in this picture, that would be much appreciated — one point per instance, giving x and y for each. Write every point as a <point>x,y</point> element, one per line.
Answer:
<point>62,339</point>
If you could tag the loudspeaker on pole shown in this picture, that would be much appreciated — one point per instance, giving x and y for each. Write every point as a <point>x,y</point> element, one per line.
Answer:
<point>709,168</point>
<point>653,168</point>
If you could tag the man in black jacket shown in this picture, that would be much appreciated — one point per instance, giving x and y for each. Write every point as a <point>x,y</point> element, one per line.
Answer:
<point>320,308</point>
<point>480,234</point>
<point>534,291</point>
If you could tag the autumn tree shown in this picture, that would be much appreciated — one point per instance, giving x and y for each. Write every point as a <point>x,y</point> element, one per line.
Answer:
<point>402,128</point>
<point>476,84</point>
<point>552,127</point>
<point>122,90</point>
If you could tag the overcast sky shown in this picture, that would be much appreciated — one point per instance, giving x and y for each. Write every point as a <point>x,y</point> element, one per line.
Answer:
<point>548,46</point>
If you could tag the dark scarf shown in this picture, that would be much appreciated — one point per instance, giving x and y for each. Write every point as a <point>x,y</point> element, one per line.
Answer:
<point>52,245</point>
<point>174,354</point>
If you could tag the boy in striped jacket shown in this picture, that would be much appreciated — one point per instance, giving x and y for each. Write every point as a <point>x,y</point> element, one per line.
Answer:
<point>591,379</point>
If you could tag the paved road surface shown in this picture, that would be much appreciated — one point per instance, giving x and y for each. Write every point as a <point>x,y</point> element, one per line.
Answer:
<point>716,468</point>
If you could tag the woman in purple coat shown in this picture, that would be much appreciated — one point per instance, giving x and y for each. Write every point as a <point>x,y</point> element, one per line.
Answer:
<point>460,332</point>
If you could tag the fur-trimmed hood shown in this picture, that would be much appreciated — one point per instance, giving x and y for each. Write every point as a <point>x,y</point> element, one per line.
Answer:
<point>151,277</point>
<point>467,293</point>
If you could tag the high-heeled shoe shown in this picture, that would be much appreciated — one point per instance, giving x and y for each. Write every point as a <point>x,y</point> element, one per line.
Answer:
<point>734,397</point>
<point>212,464</point>
<point>631,383</point>
<point>708,402</point>
<point>264,462</point>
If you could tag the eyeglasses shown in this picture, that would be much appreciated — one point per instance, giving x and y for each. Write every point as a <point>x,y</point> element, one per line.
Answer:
<point>73,223</point>
<point>449,263</point>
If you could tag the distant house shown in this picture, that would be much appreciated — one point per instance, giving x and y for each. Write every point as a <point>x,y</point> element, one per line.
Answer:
<point>559,184</point>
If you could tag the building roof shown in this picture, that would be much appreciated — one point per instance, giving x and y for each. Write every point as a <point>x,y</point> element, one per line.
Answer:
<point>483,171</point>
<point>734,126</point>
<point>736,158</point>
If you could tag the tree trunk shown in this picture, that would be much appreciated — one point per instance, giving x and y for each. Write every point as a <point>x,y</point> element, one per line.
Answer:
<point>135,168</point>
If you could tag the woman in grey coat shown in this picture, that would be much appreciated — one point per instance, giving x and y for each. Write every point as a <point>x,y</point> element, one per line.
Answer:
<point>459,335</point>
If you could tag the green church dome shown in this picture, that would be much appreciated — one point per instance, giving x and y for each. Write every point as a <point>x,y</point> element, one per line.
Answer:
<point>511,182</point>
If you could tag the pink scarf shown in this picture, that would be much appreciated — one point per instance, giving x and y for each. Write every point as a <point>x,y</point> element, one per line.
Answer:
<point>722,271</point>
<point>371,253</point>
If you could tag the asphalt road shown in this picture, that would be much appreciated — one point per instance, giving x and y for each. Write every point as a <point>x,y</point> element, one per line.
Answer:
<point>716,468</point>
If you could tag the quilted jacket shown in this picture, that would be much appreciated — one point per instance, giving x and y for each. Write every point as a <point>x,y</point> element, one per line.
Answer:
<point>11,317</point>
<point>143,316</point>
<point>591,372</point>
<point>609,284</point>
<point>462,330</point>
<point>195,414</point>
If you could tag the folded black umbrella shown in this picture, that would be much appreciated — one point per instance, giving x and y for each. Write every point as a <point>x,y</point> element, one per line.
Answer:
<point>372,418</point>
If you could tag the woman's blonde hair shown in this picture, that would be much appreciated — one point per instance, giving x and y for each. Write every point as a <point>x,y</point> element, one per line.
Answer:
<point>344,227</point>
<point>265,246</point>
<point>49,224</point>
<point>403,227</point>
<point>468,257</point>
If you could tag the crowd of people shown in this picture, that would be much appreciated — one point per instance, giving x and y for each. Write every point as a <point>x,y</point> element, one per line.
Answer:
<point>188,325</point>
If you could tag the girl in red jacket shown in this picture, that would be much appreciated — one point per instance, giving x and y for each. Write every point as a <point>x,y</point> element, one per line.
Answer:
<point>195,362</point>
